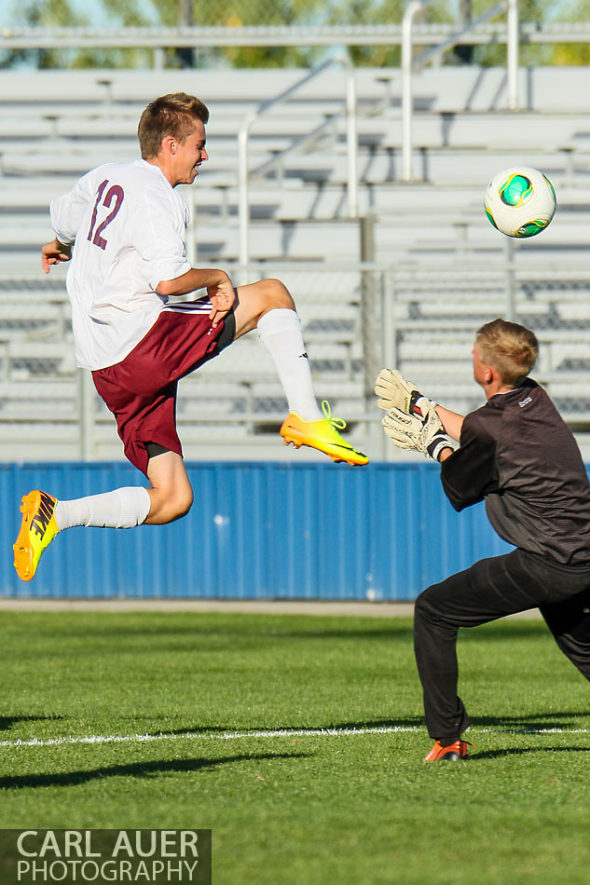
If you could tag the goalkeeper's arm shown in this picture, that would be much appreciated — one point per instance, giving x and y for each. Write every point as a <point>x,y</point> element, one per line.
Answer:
<point>445,453</point>
<point>451,421</point>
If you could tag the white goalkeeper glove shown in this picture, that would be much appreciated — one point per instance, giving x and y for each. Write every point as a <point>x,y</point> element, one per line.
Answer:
<point>426,435</point>
<point>396,392</point>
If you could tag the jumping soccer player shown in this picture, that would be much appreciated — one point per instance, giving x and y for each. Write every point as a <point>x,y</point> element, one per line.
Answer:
<point>517,454</point>
<point>127,224</point>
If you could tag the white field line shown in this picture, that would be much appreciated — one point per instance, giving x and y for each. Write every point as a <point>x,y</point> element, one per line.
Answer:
<point>277,733</point>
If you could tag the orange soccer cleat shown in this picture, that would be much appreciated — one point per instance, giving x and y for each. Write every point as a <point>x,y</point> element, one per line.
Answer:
<point>449,753</point>
<point>37,530</point>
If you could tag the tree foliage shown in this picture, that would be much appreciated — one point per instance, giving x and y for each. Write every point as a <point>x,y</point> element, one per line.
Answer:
<point>530,54</point>
<point>61,13</point>
<point>573,53</point>
<point>231,13</point>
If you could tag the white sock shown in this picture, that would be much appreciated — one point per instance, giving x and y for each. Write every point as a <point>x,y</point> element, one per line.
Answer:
<point>120,509</point>
<point>280,332</point>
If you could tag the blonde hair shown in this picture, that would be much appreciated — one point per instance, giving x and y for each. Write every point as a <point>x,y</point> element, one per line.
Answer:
<point>509,348</point>
<point>173,114</point>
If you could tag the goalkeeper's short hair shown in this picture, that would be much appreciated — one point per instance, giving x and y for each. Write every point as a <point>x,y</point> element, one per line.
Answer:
<point>509,348</point>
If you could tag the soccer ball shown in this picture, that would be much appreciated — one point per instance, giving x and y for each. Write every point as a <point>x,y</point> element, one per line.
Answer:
<point>520,202</point>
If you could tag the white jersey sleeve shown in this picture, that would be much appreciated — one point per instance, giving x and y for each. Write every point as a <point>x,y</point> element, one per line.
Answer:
<point>128,226</point>
<point>67,211</point>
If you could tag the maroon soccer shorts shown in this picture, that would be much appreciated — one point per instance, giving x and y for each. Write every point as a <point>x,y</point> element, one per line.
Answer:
<point>141,390</point>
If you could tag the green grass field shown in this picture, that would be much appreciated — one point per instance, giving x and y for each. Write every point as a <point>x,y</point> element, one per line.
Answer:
<point>306,806</point>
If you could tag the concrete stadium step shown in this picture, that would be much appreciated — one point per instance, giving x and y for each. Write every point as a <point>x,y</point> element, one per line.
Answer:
<point>26,360</point>
<point>216,197</point>
<point>39,400</point>
<point>471,167</point>
<point>286,238</point>
<point>438,88</point>
<point>318,238</point>
<point>34,321</point>
<point>492,130</point>
<point>332,237</point>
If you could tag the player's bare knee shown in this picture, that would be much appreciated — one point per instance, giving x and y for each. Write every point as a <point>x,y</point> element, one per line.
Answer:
<point>183,502</point>
<point>277,295</point>
<point>175,503</point>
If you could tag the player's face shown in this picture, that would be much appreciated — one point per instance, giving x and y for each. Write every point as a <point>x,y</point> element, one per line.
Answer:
<point>189,154</point>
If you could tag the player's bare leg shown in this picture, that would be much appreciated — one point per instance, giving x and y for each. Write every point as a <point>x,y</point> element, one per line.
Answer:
<point>255,299</point>
<point>171,494</point>
<point>268,306</point>
<point>43,516</point>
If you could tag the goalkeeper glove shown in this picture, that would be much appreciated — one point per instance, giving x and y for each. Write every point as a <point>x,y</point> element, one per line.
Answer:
<point>417,434</point>
<point>396,392</point>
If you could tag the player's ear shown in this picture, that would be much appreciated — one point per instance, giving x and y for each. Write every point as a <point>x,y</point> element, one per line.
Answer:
<point>168,144</point>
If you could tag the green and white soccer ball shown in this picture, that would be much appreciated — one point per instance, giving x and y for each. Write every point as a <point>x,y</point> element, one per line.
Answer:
<point>520,202</point>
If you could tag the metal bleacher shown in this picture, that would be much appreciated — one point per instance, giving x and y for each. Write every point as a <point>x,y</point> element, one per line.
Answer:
<point>434,269</point>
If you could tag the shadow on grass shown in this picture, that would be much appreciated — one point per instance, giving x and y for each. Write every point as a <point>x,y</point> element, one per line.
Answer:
<point>7,722</point>
<point>248,628</point>
<point>528,722</point>
<point>521,751</point>
<point>198,730</point>
<point>531,722</point>
<point>408,722</point>
<point>137,769</point>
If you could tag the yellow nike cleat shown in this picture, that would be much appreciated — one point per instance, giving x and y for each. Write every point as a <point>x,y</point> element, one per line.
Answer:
<point>37,530</point>
<point>322,435</point>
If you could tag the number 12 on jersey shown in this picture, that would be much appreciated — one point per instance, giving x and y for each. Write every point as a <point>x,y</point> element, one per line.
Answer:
<point>114,193</point>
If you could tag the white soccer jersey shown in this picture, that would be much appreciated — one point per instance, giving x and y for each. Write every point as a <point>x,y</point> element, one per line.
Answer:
<point>127,224</point>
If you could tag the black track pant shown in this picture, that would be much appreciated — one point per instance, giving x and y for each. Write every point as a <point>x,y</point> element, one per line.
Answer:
<point>488,590</point>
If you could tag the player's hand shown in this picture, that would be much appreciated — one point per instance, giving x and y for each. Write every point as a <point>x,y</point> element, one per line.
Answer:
<point>54,253</point>
<point>426,435</point>
<point>222,297</point>
<point>396,392</point>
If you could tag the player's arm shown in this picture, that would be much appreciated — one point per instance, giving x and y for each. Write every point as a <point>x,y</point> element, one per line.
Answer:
<point>452,421</point>
<point>219,289</point>
<point>55,252</point>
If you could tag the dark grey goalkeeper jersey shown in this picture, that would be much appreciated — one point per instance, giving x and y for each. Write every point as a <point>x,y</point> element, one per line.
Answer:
<point>518,454</point>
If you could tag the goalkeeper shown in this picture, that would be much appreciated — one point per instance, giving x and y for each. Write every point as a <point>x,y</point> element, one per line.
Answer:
<point>517,454</point>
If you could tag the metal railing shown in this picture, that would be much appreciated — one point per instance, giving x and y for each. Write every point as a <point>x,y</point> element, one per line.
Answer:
<point>158,39</point>
<point>409,64</point>
<point>265,107</point>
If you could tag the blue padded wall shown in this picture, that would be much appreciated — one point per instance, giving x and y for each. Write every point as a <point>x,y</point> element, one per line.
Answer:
<point>256,531</point>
